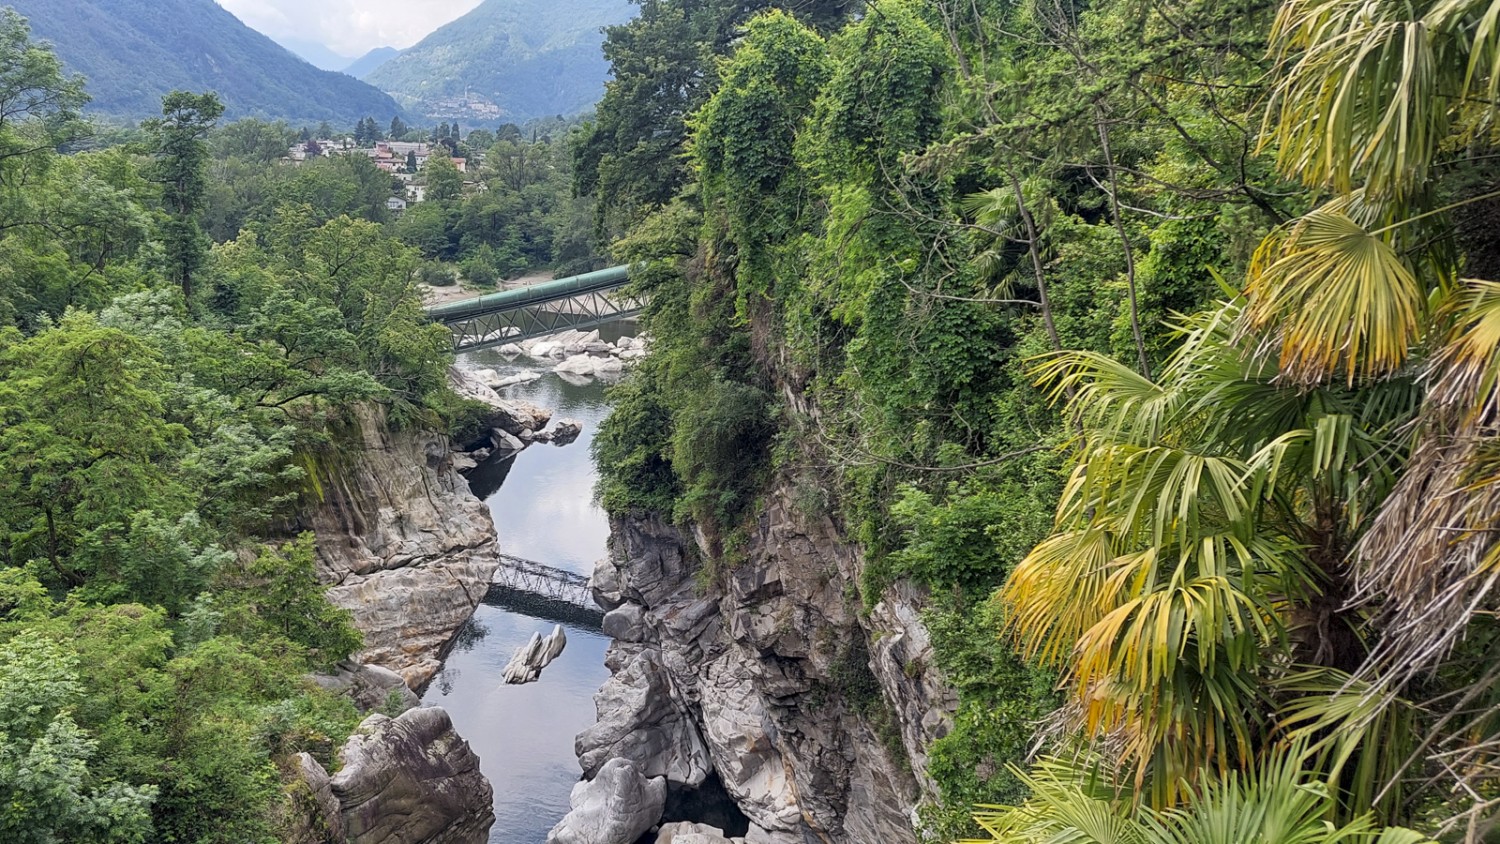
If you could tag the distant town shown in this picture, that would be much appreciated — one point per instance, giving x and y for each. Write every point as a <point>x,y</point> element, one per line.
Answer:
<point>405,160</point>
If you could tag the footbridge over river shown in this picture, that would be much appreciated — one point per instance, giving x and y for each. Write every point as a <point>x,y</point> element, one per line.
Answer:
<point>541,591</point>
<point>523,313</point>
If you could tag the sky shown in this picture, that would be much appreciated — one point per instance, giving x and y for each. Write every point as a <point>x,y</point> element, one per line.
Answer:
<point>349,27</point>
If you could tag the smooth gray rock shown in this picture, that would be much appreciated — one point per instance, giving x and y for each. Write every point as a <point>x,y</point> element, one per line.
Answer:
<point>411,780</point>
<point>616,807</point>
<point>505,441</point>
<point>566,431</point>
<point>369,686</point>
<point>687,832</point>
<point>402,543</point>
<point>527,662</point>
<point>640,721</point>
<point>512,415</point>
<point>319,818</point>
<point>604,584</point>
<point>580,364</point>
<point>626,624</point>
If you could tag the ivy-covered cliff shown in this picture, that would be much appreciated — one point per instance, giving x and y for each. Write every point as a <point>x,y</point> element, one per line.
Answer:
<point>1126,383</point>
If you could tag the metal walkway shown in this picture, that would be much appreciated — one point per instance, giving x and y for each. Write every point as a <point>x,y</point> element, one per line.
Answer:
<point>541,591</point>
<point>523,313</point>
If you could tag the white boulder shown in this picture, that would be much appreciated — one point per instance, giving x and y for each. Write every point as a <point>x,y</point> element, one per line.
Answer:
<point>529,659</point>
<point>616,807</point>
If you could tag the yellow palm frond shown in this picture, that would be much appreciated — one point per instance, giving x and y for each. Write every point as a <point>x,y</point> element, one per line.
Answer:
<point>1332,295</point>
<point>1465,372</point>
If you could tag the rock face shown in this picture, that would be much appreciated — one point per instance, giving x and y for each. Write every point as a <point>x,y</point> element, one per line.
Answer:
<point>403,543</point>
<point>405,780</point>
<point>769,678</point>
<point>615,807</point>
<point>369,686</point>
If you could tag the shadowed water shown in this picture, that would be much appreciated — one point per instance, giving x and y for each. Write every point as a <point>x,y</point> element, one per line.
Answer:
<point>542,503</point>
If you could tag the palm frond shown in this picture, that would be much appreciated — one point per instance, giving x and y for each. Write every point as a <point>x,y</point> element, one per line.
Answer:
<point>1330,294</point>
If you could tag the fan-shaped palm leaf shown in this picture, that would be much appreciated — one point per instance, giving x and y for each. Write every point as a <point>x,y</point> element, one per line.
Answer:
<point>1331,294</point>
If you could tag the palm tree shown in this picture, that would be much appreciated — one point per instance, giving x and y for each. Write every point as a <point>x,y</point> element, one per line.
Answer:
<point>1277,803</point>
<point>1199,546</point>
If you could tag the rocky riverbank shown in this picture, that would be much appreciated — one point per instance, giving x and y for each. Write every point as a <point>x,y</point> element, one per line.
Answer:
<point>410,551</point>
<point>765,680</point>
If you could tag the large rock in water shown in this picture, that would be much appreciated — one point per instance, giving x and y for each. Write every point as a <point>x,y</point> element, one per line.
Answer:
<point>411,780</point>
<point>615,807</point>
<point>403,543</point>
<point>510,415</point>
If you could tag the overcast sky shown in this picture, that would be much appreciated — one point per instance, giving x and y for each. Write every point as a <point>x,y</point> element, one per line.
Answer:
<point>349,27</point>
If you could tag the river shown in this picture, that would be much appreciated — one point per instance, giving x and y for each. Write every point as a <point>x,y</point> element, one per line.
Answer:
<point>544,510</point>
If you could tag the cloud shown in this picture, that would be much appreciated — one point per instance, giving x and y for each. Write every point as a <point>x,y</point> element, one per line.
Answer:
<point>349,27</point>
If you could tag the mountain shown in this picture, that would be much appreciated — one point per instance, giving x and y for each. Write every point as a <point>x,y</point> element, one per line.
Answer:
<point>134,51</point>
<point>361,67</point>
<point>507,60</point>
<point>315,54</point>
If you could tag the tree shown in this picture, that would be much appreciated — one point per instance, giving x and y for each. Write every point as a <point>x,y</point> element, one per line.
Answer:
<point>86,447</point>
<point>444,182</point>
<point>411,161</point>
<point>398,128</point>
<point>253,140</point>
<point>1277,802</point>
<point>48,791</point>
<point>182,170</point>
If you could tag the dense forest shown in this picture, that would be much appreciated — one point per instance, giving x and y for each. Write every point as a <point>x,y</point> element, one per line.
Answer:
<point>165,401</point>
<point>1158,341</point>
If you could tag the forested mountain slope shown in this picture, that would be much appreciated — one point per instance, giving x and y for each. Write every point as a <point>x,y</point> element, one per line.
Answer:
<point>134,51</point>
<point>531,58</point>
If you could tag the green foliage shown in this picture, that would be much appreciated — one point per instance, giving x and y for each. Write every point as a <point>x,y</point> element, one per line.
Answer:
<point>972,537</point>
<point>444,182</point>
<point>48,792</point>
<point>1001,700</point>
<point>154,399</point>
<point>278,596</point>
<point>182,171</point>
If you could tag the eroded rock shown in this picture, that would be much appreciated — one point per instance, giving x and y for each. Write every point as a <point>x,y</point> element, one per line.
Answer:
<point>411,780</point>
<point>403,544</point>
<point>616,807</point>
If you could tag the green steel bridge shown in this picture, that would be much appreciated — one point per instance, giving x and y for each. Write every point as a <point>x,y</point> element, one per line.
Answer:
<point>522,313</point>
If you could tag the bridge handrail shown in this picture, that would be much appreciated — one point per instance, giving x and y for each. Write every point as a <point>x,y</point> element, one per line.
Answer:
<point>531,294</point>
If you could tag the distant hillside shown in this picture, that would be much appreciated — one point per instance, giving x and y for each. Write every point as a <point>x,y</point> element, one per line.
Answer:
<point>134,51</point>
<point>362,66</point>
<point>314,53</point>
<point>518,59</point>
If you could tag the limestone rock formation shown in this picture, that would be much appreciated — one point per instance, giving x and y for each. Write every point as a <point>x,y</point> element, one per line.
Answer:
<point>411,780</point>
<point>615,807</point>
<point>772,671</point>
<point>403,543</point>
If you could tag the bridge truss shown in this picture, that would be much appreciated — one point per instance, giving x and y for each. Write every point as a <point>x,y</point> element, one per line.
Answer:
<point>541,591</point>
<point>583,311</point>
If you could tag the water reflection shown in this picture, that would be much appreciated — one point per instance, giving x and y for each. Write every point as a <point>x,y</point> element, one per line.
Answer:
<point>542,503</point>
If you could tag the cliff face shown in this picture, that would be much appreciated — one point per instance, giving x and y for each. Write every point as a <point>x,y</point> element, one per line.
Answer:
<point>404,545</point>
<point>813,715</point>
